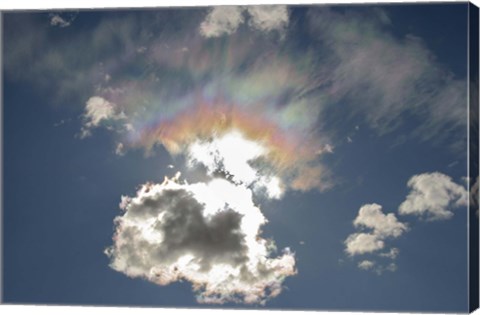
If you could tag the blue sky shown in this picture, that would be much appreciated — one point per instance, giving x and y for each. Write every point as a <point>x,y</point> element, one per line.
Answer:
<point>339,109</point>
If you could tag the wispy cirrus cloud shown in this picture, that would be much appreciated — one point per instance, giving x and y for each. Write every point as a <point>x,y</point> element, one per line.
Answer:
<point>384,77</point>
<point>296,90</point>
<point>358,62</point>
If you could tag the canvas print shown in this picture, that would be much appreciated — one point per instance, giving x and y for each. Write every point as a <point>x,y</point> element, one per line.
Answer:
<point>298,157</point>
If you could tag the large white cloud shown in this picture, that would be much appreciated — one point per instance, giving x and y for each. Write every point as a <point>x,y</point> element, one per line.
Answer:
<point>204,233</point>
<point>433,196</point>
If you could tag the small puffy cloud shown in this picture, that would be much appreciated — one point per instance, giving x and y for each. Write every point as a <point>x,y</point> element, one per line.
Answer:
<point>392,254</point>
<point>57,20</point>
<point>391,267</point>
<point>381,226</point>
<point>267,18</point>
<point>378,269</point>
<point>327,148</point>
<point>97,111</point>
<point>362,243</point>
<point>204,233</point>
<point>366,264</point>
<point>433,196</point>
<point>120,149</point>
<point>62,20</point>
<point>222,20</point>
<point>225,20</point>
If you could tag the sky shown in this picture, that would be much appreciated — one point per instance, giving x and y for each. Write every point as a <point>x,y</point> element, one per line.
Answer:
<point>279,157</point>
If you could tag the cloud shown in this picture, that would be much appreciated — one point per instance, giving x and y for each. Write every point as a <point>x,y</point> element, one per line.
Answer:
<point>378,269</point>
<point>294,88</point>
<point>381,227</point>
<point>392,254</point>
<point>222,20</point>
<point>225,20</point>
<point>97,111</point>
<point>267,18</point>
<point>58,20</point>
<point>270,90</point>
<point>383,77</point>
<point>366,264</point>
<point>391,267</point>
<point>308,177</point>
<point>120,149</point>
<point>362,243</point>
<point>234,156</point>
<point>433,196</point>
<point>288,157</point>
<point>204,233</point>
